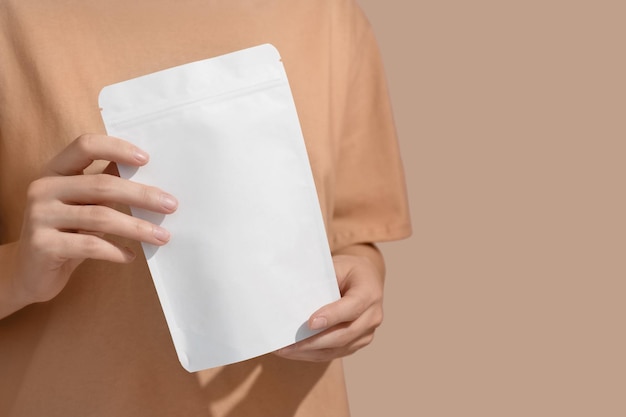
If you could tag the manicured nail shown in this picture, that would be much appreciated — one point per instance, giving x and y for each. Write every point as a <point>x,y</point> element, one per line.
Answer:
<point>141,156</point>
<point>161,234</point>
<point>319,323</point>
<point>168,202</point>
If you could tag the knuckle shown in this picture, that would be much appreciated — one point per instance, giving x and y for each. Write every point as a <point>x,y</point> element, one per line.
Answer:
<point>152,199</point>
<point>37,210</point>
<point>102,184</point>
<point>40,241</point>
<point>90,245</point>
<point>142,228</point>
<point>368,339</point>
<point>360,307</point>
<point>147,194</point>
<point>35,215</point>
<point>378,318</point>
<point>150,195</point>
<point>84,143</point>
<point>97,216</point>
<point>37,189</point>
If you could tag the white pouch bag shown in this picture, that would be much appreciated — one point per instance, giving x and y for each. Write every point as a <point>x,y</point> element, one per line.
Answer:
<point>248,261</point>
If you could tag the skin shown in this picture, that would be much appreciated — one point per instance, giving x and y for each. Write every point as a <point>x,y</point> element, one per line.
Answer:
<point>349,323</point>
<point>68,214</point>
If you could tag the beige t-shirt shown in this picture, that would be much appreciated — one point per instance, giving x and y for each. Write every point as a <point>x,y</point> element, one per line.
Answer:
<point>102,348</point>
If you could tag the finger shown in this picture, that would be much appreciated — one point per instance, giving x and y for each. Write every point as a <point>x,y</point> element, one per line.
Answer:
<point>343,334</point>
<point>351,306</point>
<point>103,188</point>
<point>313,356</point>
<point>86,246</point>
<point>82,246</point>
<point>361,287</point>
<point>87,148</point>
<point>101,219</point>
<point>326,354</point>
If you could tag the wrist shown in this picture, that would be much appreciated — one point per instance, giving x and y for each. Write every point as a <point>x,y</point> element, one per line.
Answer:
<point>368,251</point>
<point>13,296</point>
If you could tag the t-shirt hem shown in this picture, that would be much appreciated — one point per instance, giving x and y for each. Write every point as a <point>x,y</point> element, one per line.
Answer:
<point>387,233</point>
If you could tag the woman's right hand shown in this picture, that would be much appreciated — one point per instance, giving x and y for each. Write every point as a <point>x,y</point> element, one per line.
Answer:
<point>68,213</point>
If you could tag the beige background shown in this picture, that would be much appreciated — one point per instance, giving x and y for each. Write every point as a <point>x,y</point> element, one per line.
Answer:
<point>509,300</point>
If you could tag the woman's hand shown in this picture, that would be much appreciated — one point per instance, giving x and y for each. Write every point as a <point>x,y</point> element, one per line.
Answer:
<point>68,214</point>
<point>351,321</point>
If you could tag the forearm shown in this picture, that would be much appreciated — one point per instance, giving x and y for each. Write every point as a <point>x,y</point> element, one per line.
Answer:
<point>10,299</point>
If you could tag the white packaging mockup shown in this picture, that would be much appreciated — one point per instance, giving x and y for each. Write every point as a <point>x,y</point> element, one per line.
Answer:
<point>248,261</point>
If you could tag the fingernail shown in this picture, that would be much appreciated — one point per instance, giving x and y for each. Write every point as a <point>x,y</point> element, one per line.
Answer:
<point>141,156</point>
<point>161,234</point>
<point>168,202</point>
<point>319,323</point>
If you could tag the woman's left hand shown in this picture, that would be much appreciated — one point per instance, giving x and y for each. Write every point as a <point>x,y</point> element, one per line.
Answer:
<point>349,322</point>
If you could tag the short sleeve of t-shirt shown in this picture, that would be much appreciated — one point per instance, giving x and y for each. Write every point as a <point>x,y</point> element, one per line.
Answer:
<point>370,202</point>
